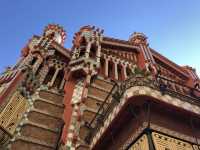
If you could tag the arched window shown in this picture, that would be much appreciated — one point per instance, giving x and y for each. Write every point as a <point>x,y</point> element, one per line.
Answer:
<point>39,68</point>
<point>33,61</point>
<point>82,47</point>
<point>49,75</point>
<point>93,51</point>
<point>128,71</point>
<point>197,86</point>
<point>119,71</point>
<point>102,66</point>
<point>110,69</point>
<point>59,79</point>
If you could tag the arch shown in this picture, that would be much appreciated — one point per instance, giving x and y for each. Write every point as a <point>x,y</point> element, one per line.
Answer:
<point>128,71</point>
<point>110,69</point>
<point>93,50</point>
<point>83,44</point>
<point>102,66</point>
<point>33,61</point>
<point>59,79</point>
<point>197,86</point>
<point>41,65</point>
<point>49,75</point>
<point>120,72</point>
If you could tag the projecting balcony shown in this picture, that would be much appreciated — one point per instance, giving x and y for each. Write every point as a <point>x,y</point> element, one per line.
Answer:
<point>180,95</point>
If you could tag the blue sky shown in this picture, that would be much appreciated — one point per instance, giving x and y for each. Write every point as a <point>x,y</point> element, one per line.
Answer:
<point>172,26</point>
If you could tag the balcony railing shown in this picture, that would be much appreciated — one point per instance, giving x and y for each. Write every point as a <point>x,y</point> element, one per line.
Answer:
<point>160,83</point>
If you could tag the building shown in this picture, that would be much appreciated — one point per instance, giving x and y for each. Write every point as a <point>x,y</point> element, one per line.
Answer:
<point>103,93</point>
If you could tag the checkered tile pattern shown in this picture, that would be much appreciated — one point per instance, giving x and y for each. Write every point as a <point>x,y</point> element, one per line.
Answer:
<point>74,127</point>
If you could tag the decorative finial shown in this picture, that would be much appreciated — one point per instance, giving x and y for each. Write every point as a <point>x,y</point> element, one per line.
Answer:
<point>138,38</point>
<point>58,33</point>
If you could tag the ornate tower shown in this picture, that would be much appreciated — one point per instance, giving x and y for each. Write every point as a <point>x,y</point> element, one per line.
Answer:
<point>32,93</point>
<point>103,93</point>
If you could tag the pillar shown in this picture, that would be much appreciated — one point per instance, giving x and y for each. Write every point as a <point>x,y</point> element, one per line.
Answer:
<point>43,73</point>
<point>115,70</point>
<point>88,49</point>
<point>54,77</point>
<point>62,83</point>
<point>98,53</point>
<point>37,65</point>
<point>124,74</point>
<point>106,67</point>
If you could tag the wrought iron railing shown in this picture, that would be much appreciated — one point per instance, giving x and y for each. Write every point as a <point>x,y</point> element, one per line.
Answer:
<point>103,110</point>
<point>160,83</point>
<point>178,90</point>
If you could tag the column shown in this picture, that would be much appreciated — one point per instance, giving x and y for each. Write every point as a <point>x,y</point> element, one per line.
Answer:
<point>135,58</point>
<point>37,64</point>
<point>98,53</point>
<point>44,73</point>
<point>62,84</point>
<point>102,66</point>
<point>88,49</point>
<point>54,77</point>
<point>106,67</point>
<point>124,74</point>
<point>115,70</point>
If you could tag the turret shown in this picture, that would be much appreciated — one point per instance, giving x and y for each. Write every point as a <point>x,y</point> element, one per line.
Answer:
<point>56,32</point>
<point>86,50</point>
<point>146,58</point>
<point>138,38</point>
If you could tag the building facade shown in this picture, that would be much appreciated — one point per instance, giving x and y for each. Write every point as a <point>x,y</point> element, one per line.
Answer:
<point>103,93</point>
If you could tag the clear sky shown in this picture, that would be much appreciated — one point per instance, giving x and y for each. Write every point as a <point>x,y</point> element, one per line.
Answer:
<point>172,26</point>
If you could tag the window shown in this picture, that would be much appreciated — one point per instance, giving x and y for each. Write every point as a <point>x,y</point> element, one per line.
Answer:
<point>128,71</point>
<point>119,70</point>
<point>59,79</point>
<point>33,61</point>
<point>49,76</point>
<point>110,69</point>
<point>93,51</point>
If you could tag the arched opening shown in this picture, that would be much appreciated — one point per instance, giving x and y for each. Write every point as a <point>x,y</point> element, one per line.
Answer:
<point>33,61</point>
<point>197,86</point>
<point>49,75</point>
<point>59,79</point>
<point>93,51</point>
<point>110,69</point>
<point>120,73</point>
<point>128,71</point>
<point>82,47</point>
<point>82,52</point>
<point>39,68</point>
<point>102,66</point>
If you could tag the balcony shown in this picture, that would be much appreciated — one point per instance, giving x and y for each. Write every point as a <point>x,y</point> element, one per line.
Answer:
<point>165,86</point>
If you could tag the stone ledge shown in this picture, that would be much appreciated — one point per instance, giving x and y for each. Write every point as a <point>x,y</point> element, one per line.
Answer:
<point>96,86</point>
<point>40,126</point>
<point>34,141</point>
<point>45,113</point>
<point>91,110</point>
<point>49,102</point>
<point>108,81</point>
<point>95,98</point>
